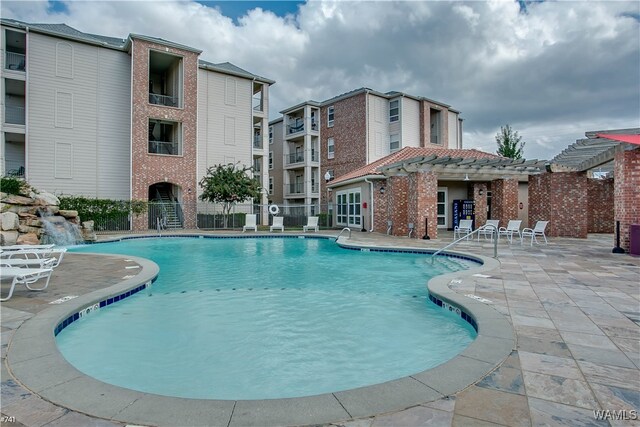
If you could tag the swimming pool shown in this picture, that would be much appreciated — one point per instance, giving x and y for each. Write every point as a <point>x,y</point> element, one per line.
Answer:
<point>266,318</point>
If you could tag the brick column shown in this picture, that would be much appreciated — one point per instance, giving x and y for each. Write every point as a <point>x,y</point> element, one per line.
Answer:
<point>380,205</point>
<point>560,198</point>
<point>627,191</point>
<point>600,205</point>
<point>398,188</point>
<point>504,203</point>
<point>480,202</point>
<point>423,198</point>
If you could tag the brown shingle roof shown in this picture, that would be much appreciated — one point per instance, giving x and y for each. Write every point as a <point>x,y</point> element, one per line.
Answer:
<point>410,153</point>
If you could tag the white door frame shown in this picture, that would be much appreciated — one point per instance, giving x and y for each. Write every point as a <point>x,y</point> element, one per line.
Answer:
<point>444,190</point>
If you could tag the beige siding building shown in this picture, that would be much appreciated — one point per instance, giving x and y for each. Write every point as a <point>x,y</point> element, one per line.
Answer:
<point>136,118</point>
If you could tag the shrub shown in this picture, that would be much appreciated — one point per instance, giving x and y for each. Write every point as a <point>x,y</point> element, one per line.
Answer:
<point>11,185</point>
<point>102,211</point>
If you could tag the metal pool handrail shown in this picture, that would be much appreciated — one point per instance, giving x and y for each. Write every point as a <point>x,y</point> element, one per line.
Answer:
<point>342,231</point>
<point>494,235</point>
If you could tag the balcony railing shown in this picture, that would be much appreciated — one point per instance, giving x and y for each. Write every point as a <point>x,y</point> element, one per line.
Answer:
<point>298,127</point>
<point>166,100</point>
<point>315,157</point>
<point>14,115</point>
<point>297,188</point>
<point>164,147</point>
<point>257,141</point>
<point>294,158</point>
<point>257,103</point>
<point>315,188</point>
<point>434,139</point>
<point>15,61</point>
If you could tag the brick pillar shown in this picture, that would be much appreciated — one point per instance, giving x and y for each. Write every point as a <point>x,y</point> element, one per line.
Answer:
<point>480,202</point>
<point>560,198</point>
<point>380,206</point>
<point>600,205</point>
<point>627,191</point>
<point>422,203</point>
<point>398,187</point>
<point>504,203</point>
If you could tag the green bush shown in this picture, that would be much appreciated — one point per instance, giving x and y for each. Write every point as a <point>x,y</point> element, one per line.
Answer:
<point>102,211</point>
<point>11,185</point>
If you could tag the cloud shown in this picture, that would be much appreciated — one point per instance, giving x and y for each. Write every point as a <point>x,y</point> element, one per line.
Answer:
<point>554,72</point>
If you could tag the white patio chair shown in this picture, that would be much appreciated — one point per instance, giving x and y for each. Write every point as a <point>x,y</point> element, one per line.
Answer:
<point>57,253</point>
<point>23,247</point>
<point>512,227</point>
<point>312,224</point>
<point>538,230</point>
<point>278,223</point>
<point>488,231</point>
<point>24,276</point>
<point>28,263</point>
<point>465,226</point>
<point>250,222</point>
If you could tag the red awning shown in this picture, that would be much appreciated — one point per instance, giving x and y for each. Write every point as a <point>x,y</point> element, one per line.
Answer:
<point>631,139</point>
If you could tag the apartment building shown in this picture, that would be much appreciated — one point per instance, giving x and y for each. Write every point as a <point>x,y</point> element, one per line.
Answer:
<point>135,118</point>
<point>334,137</point>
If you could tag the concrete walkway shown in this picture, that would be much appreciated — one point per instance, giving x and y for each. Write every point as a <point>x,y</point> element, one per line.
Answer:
<point>575,308</point>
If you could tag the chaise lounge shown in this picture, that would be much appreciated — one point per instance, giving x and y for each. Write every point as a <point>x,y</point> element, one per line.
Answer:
<point>25,276</point>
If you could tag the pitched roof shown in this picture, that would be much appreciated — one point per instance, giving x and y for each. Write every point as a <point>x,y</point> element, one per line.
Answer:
<point>229,68</point>
<point>410,153</point>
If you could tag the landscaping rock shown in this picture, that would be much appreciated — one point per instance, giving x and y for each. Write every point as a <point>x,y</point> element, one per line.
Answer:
<point>9,221</point>
<point>46,199</point>
<point>12,199</point>
<point>88,233</point>
<point>26,229</point>
<point>8,238</point>
<point>28,239</point>
<point>68,214</point>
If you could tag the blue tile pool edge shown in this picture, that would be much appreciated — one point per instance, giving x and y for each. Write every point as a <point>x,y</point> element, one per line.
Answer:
<point>487,352</point>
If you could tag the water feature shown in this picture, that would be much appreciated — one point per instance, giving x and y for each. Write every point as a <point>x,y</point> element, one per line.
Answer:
<point>59,231</point>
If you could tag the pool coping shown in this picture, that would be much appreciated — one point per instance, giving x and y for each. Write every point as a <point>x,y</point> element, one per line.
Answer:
<point>34,360</point>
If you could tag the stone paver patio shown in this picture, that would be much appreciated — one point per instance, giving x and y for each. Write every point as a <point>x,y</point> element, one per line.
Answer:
<point>574,306</point>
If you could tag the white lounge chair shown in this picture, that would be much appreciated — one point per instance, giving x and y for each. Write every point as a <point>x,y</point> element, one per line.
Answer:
<point>513,227</point>
<point>488,231</point>
<point>23,247</point>
<point>278,223</point>
<point>250,223</point>
<point>538,230</point>
<point>25,276</point>
<point>312,224</point>
<point>57,253</point>
<point>28,263</point>
<point>465,226</point>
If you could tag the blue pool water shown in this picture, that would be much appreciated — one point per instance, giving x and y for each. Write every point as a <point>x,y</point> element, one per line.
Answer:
<point>266,318</point>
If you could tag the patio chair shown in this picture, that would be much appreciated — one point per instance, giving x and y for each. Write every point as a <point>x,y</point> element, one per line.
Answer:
<point>538,230</point>
<point>28,263</point>
<point>488,231</point>
<point>250,223</point>
<point>22,247</point>
<point>278,223</point>
<point>25,276</point>
<point>42,253</point>
<point>312,224</point>
<point>512,227</point>
<point>465,226</point>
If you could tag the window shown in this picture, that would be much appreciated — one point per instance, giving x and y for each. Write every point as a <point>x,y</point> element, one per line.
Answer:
<point>442,207</point>
<point>270,185</point>
<point>330,116</point>
<point>270,134</point>
<point>349,208</point>
<point>394,142</point>
<point>331,147</point>
<point>394,111</point>
<point>270,160</point>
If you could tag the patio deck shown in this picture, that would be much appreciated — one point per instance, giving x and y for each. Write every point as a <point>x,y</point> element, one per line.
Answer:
<point>574,306</point>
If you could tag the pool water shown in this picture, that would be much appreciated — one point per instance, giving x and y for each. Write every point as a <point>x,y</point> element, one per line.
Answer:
<point>262,318</point>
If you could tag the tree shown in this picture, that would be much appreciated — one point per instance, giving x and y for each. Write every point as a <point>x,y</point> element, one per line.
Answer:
<point>228,184</point>
<point>509,143</point>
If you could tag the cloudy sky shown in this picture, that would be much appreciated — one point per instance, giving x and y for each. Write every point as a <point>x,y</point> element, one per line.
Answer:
<point>552,70</point>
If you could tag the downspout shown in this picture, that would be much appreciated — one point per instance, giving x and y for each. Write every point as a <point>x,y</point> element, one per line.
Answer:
<point>371,195</point>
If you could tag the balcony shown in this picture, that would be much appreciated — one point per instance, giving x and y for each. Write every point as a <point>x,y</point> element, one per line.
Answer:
<point>15,61</point>
<point>166,100</point>
<point>315,188</point>
<point>295,128</point>
<point>257,141</point>
<point>297,188</point>
<point>14,115</point>
<point>294,158</point>
<point>257,103</point>
<point>170,148</point>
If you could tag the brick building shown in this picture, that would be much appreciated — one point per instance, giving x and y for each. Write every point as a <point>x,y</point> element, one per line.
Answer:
<point>135,118</point>
<point>336,136</point>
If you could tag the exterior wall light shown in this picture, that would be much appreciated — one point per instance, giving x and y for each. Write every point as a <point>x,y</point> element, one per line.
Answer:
<point>381,190</point>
